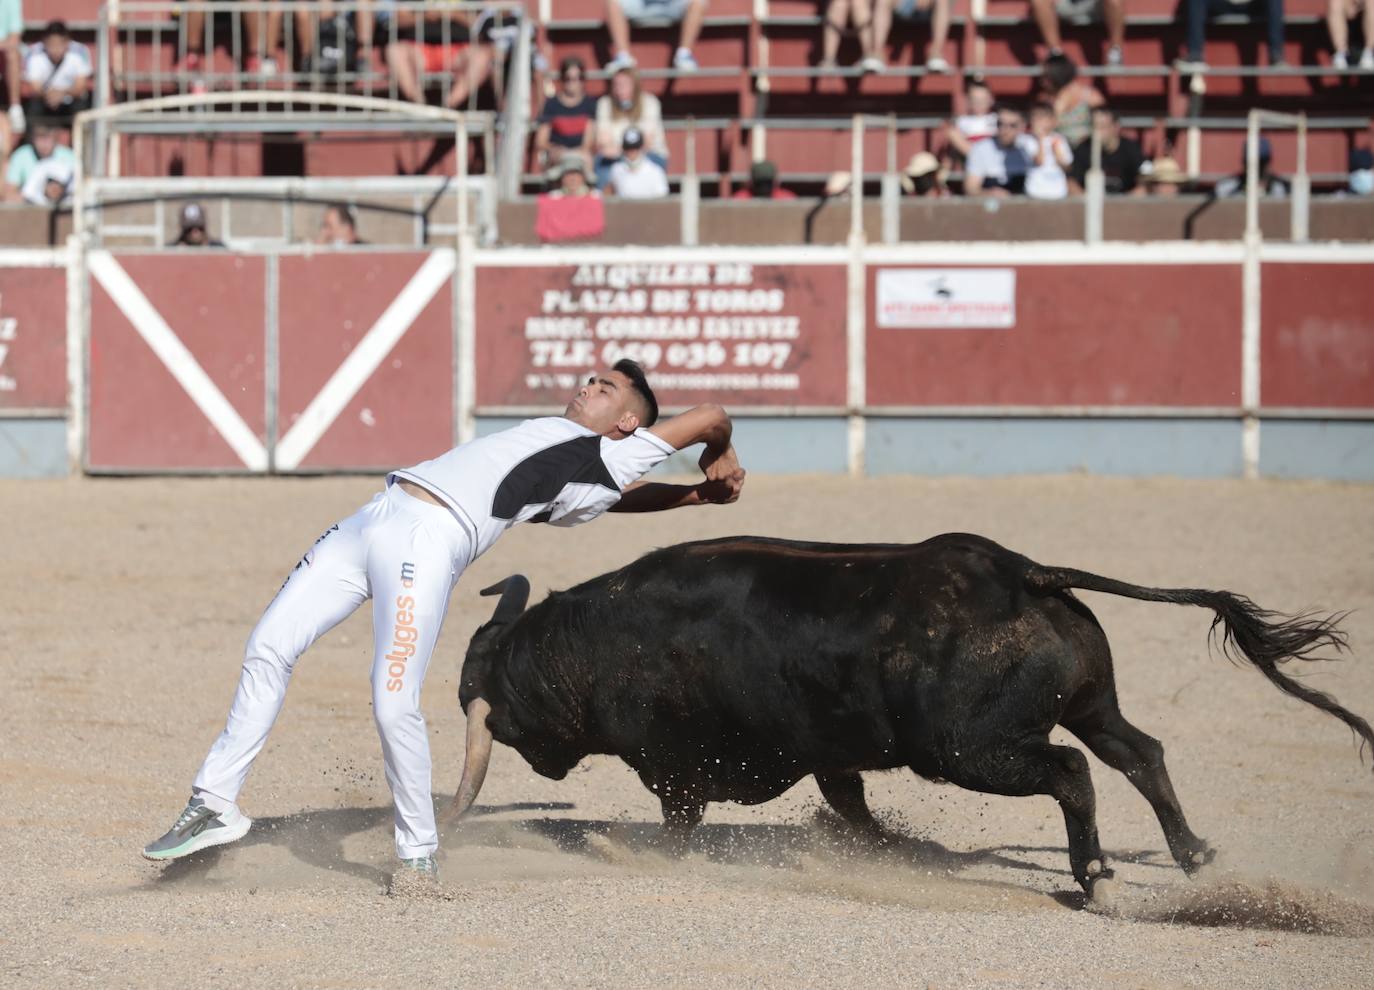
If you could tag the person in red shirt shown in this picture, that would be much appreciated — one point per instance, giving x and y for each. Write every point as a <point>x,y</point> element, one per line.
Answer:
<point>763,184</point>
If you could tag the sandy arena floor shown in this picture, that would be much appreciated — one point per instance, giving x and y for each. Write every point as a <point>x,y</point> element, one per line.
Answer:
<point>124,605</point>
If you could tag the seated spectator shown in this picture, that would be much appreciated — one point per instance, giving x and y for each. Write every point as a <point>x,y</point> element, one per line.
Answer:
<point>1113,16</point>
<point>1270,184</point>
<point>1121,157</point>
<point>626,105</point>
<point>1163,177</point>
<point>566,121</point>
<point>1199,11</point>
<point>936,12</point>
<point>42,155</point>
<point>339,227</point>
<point>572,210</point>
<point>636,175</point>
<point>1338,15</point>
<point>262,27</point>
<point>11,38</point>
<point>763,184</point>
<point>448,44</point>
<point>619,14</point>
<point>328,40</point>
<point>998,167</point>
<point>1046,178</point>
<point>837,13</point>
<point>193,230</point>
<point>57,76</point>
<point>1073,98</point>
<point>923,177</point>
<point>978,124</point>
<point>1361,172</point>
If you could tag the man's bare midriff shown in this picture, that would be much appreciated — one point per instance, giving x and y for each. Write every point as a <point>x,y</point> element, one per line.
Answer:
<point>420,492</point>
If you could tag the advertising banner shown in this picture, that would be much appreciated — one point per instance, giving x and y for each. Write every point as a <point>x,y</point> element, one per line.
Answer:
<point>941,298</point>
<point>33,338</point>
<point>740,333</point>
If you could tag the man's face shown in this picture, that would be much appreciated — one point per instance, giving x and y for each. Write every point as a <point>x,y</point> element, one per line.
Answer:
<point>43,142</point>
<point>334,230</point>
<point>54,191</point>
<point>633,155</point>
<point>979,100</point>
<point>573,182</point>
<point>56,47</point>
<point>195,235</point>
<point>607,404</point>
<point>1008,128</point>
<point>1108,128</point>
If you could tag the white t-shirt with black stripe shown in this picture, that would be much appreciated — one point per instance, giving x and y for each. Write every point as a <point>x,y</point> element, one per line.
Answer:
<point>544,470</point>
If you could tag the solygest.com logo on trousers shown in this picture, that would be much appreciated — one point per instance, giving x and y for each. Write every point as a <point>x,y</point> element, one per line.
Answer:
<point>404,636</point>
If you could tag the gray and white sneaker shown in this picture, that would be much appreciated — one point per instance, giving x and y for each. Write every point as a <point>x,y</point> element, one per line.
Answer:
<point>196,828</point>
<point>424,865</point>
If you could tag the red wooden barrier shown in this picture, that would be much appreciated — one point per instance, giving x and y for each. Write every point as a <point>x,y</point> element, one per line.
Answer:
<point>1317,340</point>
<point>33,338</point>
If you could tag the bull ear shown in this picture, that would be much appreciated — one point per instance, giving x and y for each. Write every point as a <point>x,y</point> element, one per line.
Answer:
<point>514,592</point>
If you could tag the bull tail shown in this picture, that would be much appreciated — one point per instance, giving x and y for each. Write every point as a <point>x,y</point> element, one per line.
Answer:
<point>1249,633</point>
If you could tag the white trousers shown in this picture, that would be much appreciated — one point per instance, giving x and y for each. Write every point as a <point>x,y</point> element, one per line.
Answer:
<point>403,553</point>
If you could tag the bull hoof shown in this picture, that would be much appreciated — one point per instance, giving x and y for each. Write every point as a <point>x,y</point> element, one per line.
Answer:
<point>1194,861</point>
<point>1105,895</point>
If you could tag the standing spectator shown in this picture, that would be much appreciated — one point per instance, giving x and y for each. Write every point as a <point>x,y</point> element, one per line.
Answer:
<point>636,176</point>
<point>936,12</point>
<point>339,227</point>
<point>998,167</point>
<point>57,76</point>
<point>1113,16</point>
<point>572,210</point>
<point>1163,177</point>
<point>1122,158</point>
<point>619,14</point>
<point>1338,15</point>
<point>43,154</point>
<point>11,34</point>
<point>626,105</point>
<point>1073,98</point>
<point>1270,184</point>
<point>978,124</point>
<point>763,184</point>
<point>465,54</point>
<point>837,14</point>
<point>1199,11</point>
<point>1046,178</point>
<point>923,178</point>
<point>566,122</point>
<point>193,229</point>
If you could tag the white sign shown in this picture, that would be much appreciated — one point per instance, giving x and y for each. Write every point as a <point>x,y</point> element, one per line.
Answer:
<point>938,298</point>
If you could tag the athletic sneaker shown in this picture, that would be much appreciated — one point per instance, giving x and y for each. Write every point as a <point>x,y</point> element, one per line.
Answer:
<point>1114,56</point>
<point>873,64</point>
<point>685,61</point>
<point>1339,61</point>
<point>426,865</point>
<point>198,828</point>
<point>17,121</point>
<point>1367,59</point>
<point>936,63</point>
<point>622,60</point>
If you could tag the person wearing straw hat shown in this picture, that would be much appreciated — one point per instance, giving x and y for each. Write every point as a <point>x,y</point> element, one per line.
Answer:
<point>923,177</point>
<point>572,209</point>
<point>1163,177</point>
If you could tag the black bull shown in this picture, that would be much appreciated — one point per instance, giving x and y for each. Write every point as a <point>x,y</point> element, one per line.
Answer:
<point>728,670</point>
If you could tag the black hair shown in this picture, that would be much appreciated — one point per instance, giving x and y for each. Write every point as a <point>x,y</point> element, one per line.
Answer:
<point>572,62</point>
<point>1110,111</point>
<point>58,28</point>
<point>1042,106</point>
<point>632,371</point>
<point>345,213</point>
<point>1059,70</point>
<point>1000,108</point>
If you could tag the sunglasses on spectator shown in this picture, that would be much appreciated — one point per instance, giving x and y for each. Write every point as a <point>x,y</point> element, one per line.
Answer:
<point>1011,124</point>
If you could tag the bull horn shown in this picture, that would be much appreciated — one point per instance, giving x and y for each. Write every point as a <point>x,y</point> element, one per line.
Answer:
<point>514,592</point>
<point>475,761</point>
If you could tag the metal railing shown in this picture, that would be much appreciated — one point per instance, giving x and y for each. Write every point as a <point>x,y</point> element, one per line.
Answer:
<point>397,49</point>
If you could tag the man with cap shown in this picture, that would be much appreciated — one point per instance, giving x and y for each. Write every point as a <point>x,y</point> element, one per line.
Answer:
<point>1269,183</point>
<point>763,183</point>
<point>1361,171</point>
<point>636,176</point>
<point>193,232</point>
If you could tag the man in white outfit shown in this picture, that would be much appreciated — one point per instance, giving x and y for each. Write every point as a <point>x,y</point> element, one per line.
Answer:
<point>406,549</point>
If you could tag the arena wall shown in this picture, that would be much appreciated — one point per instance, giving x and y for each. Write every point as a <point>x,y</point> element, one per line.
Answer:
<point>1190,359</point>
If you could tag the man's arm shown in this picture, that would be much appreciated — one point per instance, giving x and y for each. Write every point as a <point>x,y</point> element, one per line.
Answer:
<point>708,424</point>
<point>655,496</point>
